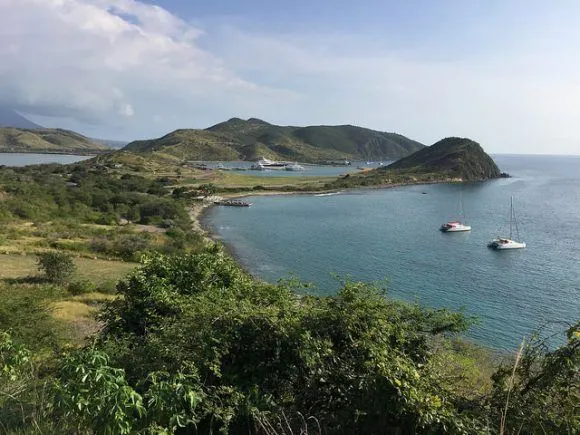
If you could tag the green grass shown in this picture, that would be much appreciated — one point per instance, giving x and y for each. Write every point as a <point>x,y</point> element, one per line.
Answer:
<point>46,316</point>
<point>100,272</point>
<point>46,140</point>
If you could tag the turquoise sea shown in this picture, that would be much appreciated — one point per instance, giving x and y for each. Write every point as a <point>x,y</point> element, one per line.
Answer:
<point>392,234</point>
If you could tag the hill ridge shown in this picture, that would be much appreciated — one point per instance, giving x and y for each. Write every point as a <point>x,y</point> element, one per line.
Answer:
<point>238,139</point>
<point>47,140</point>
<point>460,157</point>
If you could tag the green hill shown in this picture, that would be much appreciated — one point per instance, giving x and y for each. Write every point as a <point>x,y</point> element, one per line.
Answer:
<point>454,157</point>
<point>450,159</point>
<point>46,140</point>
<point>239,139</point>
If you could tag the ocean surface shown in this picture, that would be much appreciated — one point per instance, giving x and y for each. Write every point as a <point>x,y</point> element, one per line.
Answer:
<point>392,234</point>
<point>24,159</point>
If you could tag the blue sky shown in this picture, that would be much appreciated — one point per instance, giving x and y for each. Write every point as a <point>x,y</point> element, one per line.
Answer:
<point>504,73</point>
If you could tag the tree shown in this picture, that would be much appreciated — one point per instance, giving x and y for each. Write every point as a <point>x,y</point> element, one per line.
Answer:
<point>57,266</point>
<point>208,189</point>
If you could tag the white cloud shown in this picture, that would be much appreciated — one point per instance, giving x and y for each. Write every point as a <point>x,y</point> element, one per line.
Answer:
<point>525,101</point>
<point>102,61</point>
<point>134,70</point>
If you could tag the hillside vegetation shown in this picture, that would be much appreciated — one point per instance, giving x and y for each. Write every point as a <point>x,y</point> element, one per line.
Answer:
<point>189,343</point>
<point>46,140</point>
<point>450,159</point>
<point>457,157</point>
<point>238,139</point>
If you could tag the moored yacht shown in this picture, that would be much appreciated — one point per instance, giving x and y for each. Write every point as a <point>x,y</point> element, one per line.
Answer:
<point>264,163</point>
<point>501,243</point>
<point>454,226</point>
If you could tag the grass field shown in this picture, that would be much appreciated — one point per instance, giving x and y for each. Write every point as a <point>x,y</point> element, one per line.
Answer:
<point>97,271</point>
<point>46,315</point>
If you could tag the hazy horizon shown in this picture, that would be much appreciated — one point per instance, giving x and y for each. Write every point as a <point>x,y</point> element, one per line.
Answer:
<point>503,73</point>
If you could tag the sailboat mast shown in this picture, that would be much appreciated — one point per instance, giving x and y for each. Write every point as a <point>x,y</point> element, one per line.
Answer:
<point>511,215</point>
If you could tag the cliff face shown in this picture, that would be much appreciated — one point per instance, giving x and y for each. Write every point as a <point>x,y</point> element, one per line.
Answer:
<point>454,157</point>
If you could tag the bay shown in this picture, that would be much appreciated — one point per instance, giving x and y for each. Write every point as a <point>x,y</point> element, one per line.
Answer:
<point>392,234</point>
<point>25,159</point>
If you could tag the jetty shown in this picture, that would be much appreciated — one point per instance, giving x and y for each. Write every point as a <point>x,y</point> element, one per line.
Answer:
<point>233,203</point>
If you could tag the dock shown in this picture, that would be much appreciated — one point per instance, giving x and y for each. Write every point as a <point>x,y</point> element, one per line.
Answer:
<point>233,203</point>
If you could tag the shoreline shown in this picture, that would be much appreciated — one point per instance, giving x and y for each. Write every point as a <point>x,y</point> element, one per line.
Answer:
<point>198,213</point>
<point>211,236</point>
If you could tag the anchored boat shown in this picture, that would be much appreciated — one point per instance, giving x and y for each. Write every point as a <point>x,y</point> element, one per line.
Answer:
<point>501,243</point>
<point>455,226</point>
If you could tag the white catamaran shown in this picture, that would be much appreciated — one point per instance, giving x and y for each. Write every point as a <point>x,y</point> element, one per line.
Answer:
<point>456,226</point>
<point>501,243</point>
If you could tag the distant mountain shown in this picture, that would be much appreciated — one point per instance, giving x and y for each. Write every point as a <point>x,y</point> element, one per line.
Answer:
<point>239,139</point>
<point>46,140</point>
<point>10,118</point>
<point>115,144</point>
<point>455,156</point>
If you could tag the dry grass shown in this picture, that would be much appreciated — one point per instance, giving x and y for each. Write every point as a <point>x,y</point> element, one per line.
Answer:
<point>78,320</point>
<point>92,298</point>
<point>94,270</point>
<point>70,311</point>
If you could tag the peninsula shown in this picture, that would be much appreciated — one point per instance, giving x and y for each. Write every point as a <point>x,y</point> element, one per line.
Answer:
<point>47,141</point>
<point>448,160</point>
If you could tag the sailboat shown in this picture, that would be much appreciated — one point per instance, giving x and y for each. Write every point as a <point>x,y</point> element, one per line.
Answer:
<point>455,226</point>
<point>501,243</point>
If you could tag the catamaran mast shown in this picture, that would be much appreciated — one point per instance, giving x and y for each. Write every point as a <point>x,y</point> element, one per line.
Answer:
<point>511,215</point>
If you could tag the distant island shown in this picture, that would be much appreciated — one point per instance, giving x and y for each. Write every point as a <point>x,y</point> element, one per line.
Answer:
<point>238,139</point>
<point>47,141</point>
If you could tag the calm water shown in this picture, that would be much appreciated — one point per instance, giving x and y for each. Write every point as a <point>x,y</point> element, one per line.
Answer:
<point>393,234</point>
<point>24,159</point>
<point>309,170</point>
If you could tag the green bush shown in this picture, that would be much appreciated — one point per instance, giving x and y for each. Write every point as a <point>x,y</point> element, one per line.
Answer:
<point>254,352</point>
<point>81,287</point>
<point>58,267</point>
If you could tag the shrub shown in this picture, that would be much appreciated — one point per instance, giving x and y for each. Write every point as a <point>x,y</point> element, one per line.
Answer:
<point>81,287</point>
<point>57,266</point>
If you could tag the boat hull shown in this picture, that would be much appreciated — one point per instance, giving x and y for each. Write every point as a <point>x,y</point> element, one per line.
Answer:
<point>505,244</point>
<point>455,230</point>
<point>454,227</point>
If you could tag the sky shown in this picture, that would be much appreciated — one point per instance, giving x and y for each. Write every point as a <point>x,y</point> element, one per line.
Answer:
<point>505,73</point>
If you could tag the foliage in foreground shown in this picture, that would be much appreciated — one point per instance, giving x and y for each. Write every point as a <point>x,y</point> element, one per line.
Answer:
<point>195,345</point>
